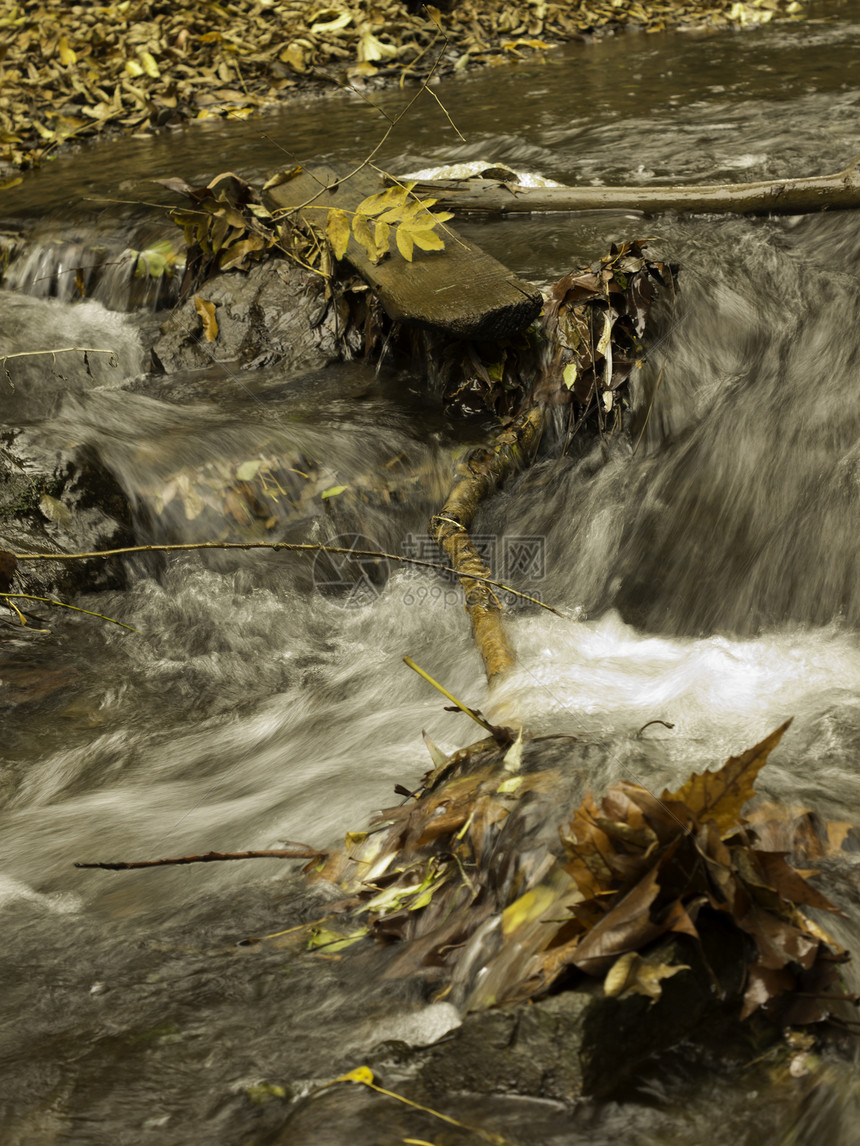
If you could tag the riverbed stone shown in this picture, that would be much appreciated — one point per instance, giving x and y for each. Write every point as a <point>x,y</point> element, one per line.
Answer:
<point>275,313</point>
<point>579,1043</point>
<point>56,499</point>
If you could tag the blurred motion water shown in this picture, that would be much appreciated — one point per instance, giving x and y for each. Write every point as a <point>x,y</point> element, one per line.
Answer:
<point>711,566</point>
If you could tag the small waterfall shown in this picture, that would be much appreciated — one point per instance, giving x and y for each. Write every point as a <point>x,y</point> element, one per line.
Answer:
<point>119,277</point>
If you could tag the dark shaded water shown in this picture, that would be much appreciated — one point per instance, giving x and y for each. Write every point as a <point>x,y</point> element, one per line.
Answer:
<point>713,571</point>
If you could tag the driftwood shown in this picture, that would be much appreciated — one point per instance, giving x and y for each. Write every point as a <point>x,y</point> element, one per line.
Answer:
<point>478,476</point>
<point>461,290</point>
<point>777,196</point>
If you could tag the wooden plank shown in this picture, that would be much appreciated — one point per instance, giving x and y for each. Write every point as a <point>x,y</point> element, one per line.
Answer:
<point>461,290</point>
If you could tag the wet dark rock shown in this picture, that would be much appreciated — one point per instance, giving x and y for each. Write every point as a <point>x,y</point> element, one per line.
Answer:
<point>56,499</point>
<point>276,313</point>
<point>580,1043</point>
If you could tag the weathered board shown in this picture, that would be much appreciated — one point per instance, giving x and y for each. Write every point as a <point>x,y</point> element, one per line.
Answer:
<point>460,290</point>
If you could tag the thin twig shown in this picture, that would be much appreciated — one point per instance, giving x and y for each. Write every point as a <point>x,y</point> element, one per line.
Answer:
<point>298,851</point>
<point>365,162</point>
<point>282,546</point>
<point>59,350</point>
<point>63,605</point>
<point>430,92</point>
<point>492,729</point>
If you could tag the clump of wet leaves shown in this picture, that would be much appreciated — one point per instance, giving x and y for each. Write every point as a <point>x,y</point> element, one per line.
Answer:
<point>457,881</point>
<point>226,227</point>
<point>495,376</point>
<point>73,71</point>
<point>581,353</point>
<point>594,321</point>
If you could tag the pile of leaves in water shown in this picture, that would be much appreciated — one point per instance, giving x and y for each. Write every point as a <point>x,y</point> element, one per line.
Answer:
<point>71,71</point>
<point>580,354</point>
<point>453,879</point>
<point>594,322</point>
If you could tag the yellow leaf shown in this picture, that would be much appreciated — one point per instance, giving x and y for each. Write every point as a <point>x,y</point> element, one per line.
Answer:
<point>294,55</point>
<point>247,471</point>
<point>607,334</point>
<point>382,237</point>
<point>720,796</point>
<point>337,231</point>
<point>404,243</point>
<point>332,941</point>
<point>514,756</point>
<point>370,48</point>
<point>360,1074</point>
<point>382,200</point>
<point>206,310</point>
<point>282,177</point>
<point>67,56</point>
<point>427,240</point>
<point>149,64</point>
<point>133,68</point>
<point>527,908</point>
<point>570,374</point>
<point>630,974</point>
<point>331,25</point>
<point>362,232</point>
<point>511,786</point>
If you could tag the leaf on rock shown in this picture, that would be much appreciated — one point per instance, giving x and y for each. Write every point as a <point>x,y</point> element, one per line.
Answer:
<point>206,310</point>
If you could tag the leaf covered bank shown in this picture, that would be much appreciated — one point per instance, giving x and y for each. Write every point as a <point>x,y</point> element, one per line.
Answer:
<point>77,71</point>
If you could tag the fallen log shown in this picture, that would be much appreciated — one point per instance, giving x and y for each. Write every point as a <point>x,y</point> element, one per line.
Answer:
<point>459,290</point>
<point>477,477</point>
<point>777,196</point>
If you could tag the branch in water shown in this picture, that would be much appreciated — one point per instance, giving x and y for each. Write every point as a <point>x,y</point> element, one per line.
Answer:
<point>297,851</point>
<point>282,546</point>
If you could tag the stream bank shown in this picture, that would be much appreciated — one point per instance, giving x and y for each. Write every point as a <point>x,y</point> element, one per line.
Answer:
<point>134,68</point>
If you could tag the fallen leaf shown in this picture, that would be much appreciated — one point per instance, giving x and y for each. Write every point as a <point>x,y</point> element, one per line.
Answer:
<point>337,230</point>
<point>206,310</point>
<point>632,975</point>
<point>721,795</point>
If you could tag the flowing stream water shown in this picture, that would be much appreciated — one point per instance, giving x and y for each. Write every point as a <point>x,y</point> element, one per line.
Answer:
<point>712,573</point>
